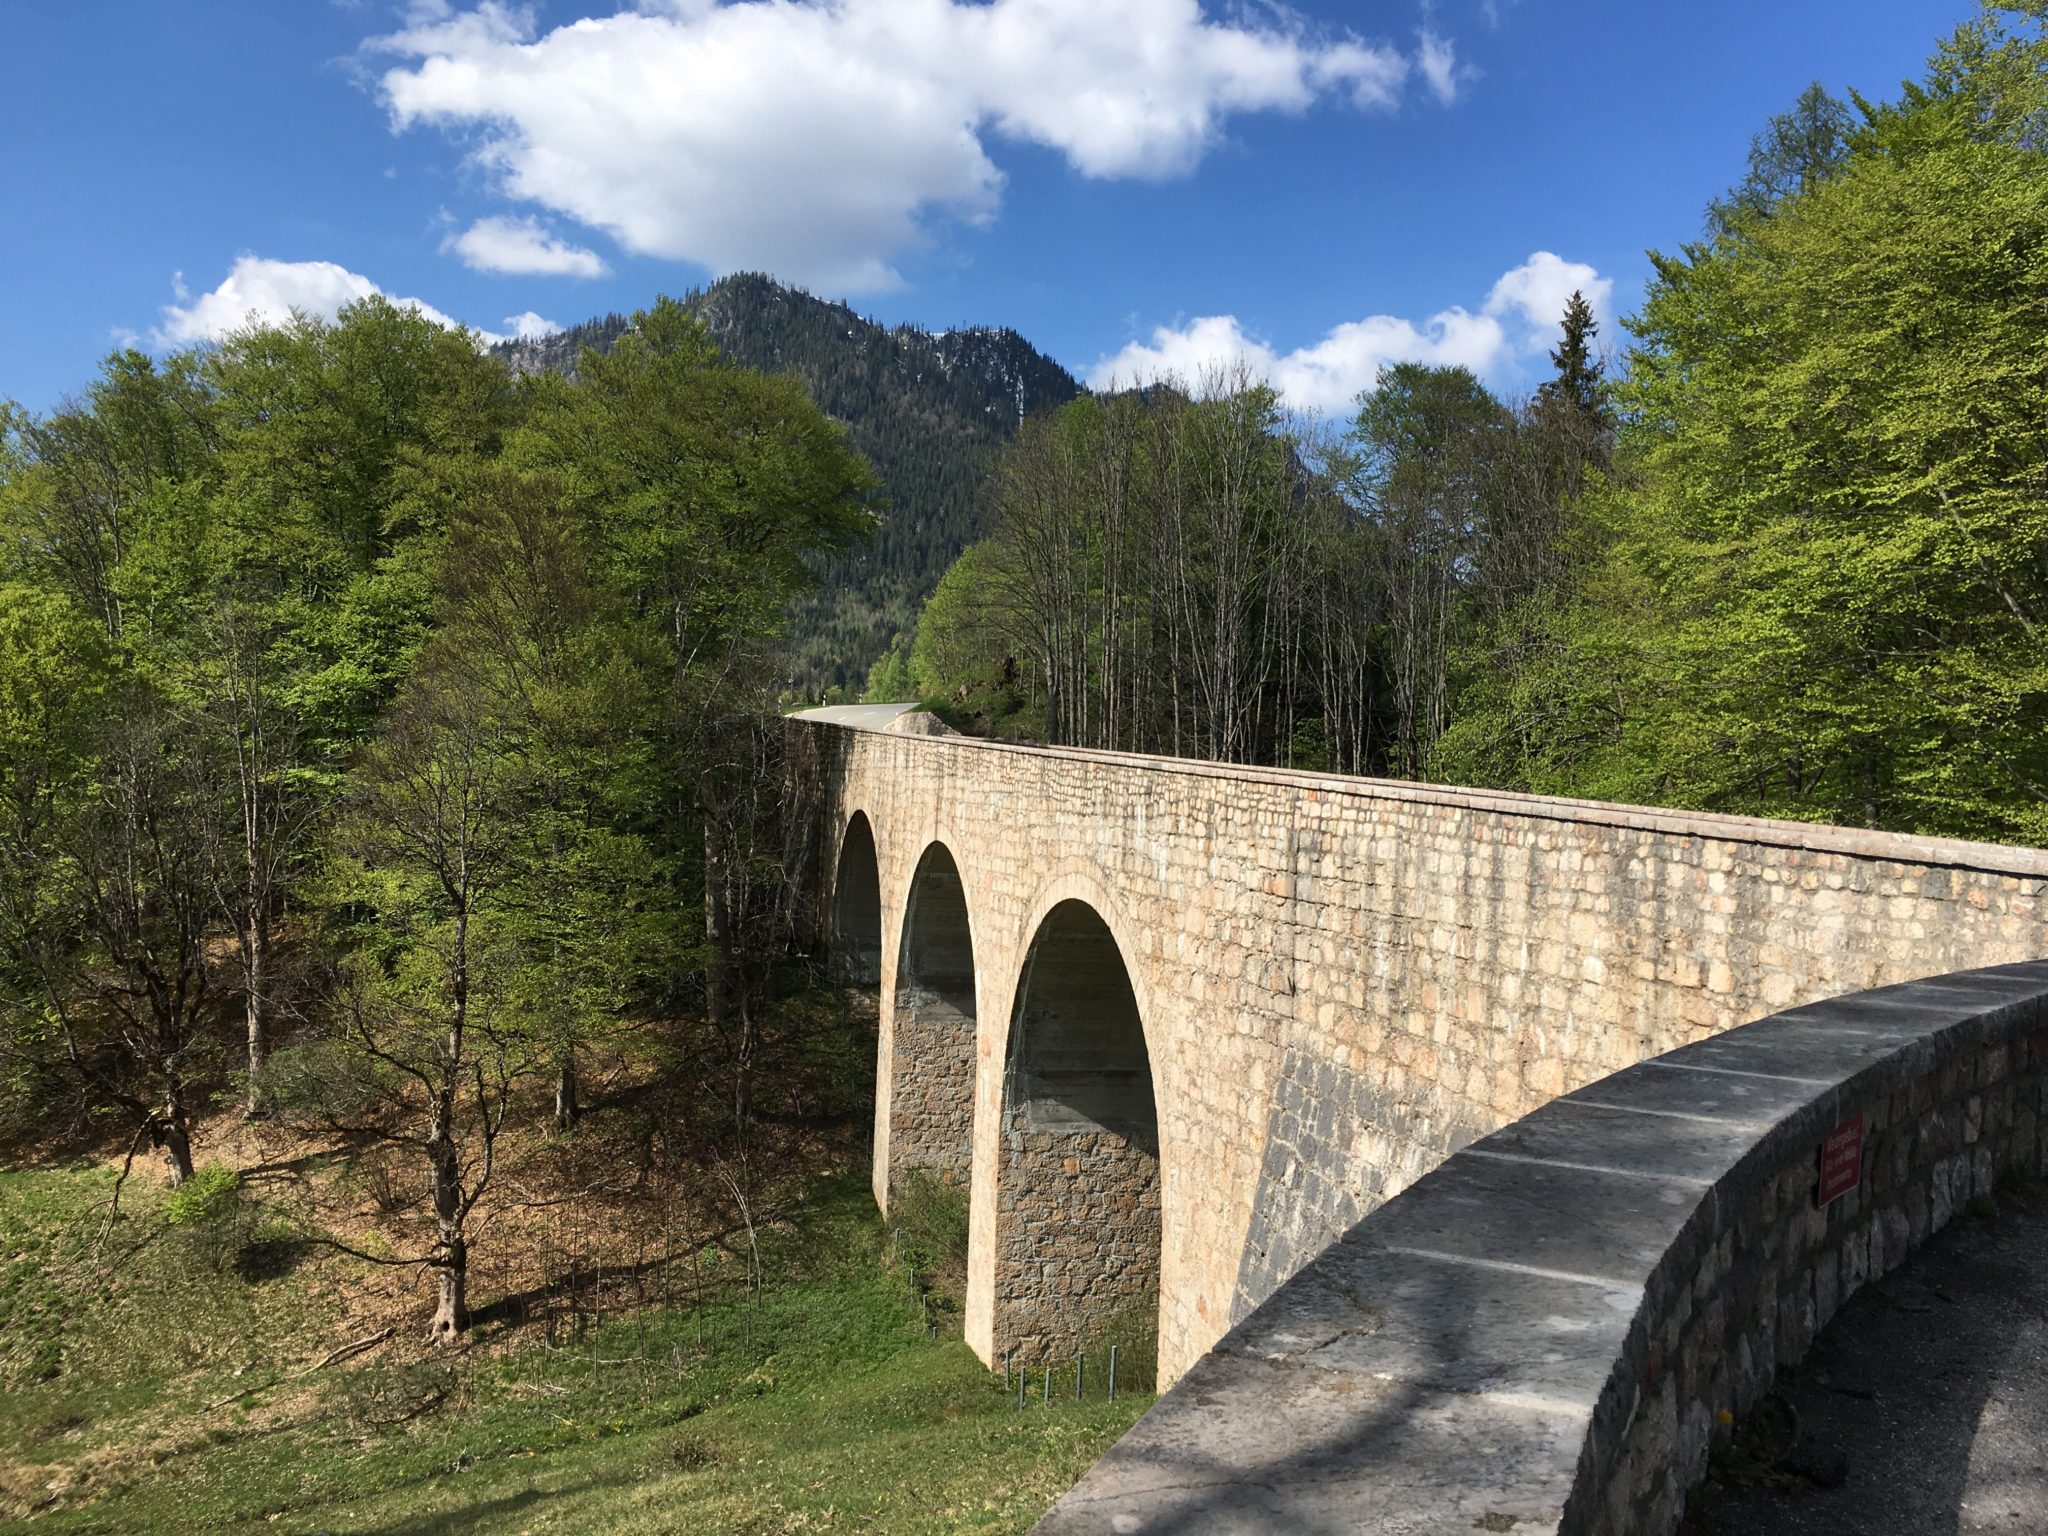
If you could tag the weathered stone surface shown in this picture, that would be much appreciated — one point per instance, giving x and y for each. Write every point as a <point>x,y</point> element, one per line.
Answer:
<point>1586,1295</point>
<point>1341,982</point>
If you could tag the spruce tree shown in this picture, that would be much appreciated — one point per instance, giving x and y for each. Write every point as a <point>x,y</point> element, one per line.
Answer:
<point>1578,382</point>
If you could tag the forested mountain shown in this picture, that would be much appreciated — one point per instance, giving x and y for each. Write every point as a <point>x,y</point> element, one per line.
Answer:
<point>928,409</point>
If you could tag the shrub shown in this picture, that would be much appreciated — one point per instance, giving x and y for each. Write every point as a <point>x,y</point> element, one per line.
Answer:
<point>210,1198</point>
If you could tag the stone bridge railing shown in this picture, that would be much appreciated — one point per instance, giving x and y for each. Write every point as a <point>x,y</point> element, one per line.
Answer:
<point>1543,1333</point>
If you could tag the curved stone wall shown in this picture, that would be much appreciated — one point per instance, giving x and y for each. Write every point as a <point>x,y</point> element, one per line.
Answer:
<point>1543,1333</point>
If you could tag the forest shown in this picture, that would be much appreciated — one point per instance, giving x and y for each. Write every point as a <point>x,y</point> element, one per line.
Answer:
<point>1783,555</point>
<point>927,411</point>
<point>407,713</point>
<point>417,1094</point>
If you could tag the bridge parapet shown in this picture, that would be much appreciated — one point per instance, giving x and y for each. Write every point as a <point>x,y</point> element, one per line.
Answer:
<point>1544,1332</point>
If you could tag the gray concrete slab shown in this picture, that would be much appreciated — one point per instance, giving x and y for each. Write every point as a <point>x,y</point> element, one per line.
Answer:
<point>1603,1229</point>
<point>861,717</point>
<point>1568,1133</point>
<point>1446,1325</point>
<point>1652,1089</point>
<point>1319,1453</point>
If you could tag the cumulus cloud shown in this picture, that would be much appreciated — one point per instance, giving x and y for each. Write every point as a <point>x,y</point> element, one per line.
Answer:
<point>529,326</point>
<point>817,138</point>
<point>262,291</point>
<point>522,245</point>
<point>1518,319</point>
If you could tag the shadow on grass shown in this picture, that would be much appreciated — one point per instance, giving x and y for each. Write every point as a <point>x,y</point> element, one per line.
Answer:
<point>484,1515</point>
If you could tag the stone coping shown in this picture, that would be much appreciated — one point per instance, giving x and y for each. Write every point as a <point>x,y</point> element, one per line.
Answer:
<point>1852,842</point>
<point>1542,1333</point>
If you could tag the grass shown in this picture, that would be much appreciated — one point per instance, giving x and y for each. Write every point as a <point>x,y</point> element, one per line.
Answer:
<point>818,1404</point>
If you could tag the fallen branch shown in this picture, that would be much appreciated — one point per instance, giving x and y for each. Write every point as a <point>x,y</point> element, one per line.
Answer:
<point>127,1164</point>
<point>332,1357</point>
<point>368,1341</point>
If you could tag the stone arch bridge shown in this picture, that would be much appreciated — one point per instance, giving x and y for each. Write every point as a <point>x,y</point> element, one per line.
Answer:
<point>1177,1025</point>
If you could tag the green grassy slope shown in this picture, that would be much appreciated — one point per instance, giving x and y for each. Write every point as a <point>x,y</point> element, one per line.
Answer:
<point>822,1404</point>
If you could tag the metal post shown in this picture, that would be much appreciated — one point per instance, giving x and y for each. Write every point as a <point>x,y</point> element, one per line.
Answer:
<point>1020,1387</point>
<point>1048,1386</point>
<point>1080,1374</point>
<point>1006,1368</point>
<point>1112,1373</point>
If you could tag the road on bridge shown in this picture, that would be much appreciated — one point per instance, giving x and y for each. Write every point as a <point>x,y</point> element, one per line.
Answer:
<point>862,717</point>
<point>1923,1406</point>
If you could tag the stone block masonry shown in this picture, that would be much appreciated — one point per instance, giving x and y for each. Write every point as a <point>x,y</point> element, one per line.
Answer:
<point>1338,982</point>
<point>931,1089</point>
<point>1545,1332</point>
<point>1077,1245</point>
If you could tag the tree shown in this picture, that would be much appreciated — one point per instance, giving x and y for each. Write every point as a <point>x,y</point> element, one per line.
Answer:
<point>1418,462</point>
<point>966,649</point>
<point>501,905</point>
<point>304,596</point>
<point>109,860</point>
<point>428,998</point>
<point>1796,151</point>
<point>704,491</point>
<point>1819,590</point>
<point>116,841</point>
<point>1577,384</point>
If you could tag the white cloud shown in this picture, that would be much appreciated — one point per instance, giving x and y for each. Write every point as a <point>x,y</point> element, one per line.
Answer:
<point>1538,289</point>
<point>1518,320</point>
<point>500,244</point>
<point>817,138</point>
<point>1438,62</point>
<point>261,291</point>
<point>529,326</point>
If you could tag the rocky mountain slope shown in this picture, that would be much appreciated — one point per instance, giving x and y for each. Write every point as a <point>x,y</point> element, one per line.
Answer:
<point>928,409</point>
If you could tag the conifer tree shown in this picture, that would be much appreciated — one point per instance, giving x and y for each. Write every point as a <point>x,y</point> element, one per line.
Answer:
<point>1578,382</point>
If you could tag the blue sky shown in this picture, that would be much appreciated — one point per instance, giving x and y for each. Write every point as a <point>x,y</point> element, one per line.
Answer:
<point>1135,185</point>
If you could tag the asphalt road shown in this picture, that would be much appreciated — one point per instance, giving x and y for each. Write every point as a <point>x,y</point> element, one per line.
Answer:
<point>1922,1408</point>
<point>866,717</point>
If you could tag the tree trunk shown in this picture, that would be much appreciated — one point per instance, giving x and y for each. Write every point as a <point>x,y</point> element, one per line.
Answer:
<point>177,1144</point>
<point>750,1043</point>
<point>258,1003</point>
<point>568,1108</point>
<point>718,981</point>
<point>451,1252</point>
<point>451,1272</point>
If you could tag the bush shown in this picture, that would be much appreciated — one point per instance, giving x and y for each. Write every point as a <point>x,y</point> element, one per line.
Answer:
<point>321,1084</point>
<point>212,1197</point>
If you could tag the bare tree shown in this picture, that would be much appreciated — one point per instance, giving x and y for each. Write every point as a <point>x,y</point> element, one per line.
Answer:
<point>429,998</point>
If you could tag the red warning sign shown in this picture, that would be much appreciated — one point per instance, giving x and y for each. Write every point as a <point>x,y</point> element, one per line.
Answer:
<point>1841,1161</point>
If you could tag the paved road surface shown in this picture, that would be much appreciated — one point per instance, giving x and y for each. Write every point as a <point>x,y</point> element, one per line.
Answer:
<point>1922,1408</point>
<point>866,717</point>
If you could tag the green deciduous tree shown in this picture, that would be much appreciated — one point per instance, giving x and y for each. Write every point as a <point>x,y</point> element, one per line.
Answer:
<point>1821,585</point>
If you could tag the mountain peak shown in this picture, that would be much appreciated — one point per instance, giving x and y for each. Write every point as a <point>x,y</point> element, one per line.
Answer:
<point>929,409</point>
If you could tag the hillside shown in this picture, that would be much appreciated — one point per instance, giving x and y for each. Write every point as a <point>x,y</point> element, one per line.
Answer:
<point>927,408</point>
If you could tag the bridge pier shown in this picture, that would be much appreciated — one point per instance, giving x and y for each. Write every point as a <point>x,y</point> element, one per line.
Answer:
<point>1077,1237</point>
<point>929,1075</point>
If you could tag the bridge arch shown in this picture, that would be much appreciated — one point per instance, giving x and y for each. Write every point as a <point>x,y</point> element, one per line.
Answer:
<point>857,906</point>
<point>1078,1214</point>
<point>930,1112</point>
